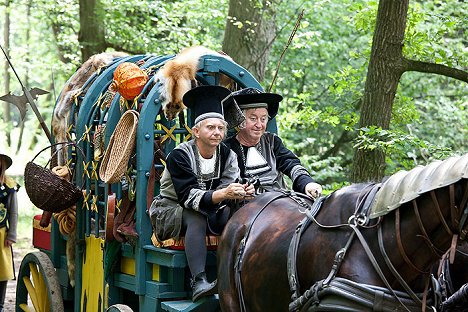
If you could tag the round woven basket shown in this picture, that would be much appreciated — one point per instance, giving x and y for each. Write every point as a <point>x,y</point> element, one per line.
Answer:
<point>120,148</point>
<point>47,190</point>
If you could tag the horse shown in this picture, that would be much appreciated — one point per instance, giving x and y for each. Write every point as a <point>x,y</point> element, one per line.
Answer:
<point>367,246</point>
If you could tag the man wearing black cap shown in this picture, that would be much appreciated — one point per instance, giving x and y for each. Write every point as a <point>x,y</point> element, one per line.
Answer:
<point>262,155</point>
<point>200,177</point>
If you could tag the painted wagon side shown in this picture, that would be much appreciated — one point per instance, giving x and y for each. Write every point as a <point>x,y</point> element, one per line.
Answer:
<point>108,274</point>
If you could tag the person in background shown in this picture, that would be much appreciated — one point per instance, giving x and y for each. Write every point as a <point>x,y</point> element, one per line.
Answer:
<point>8,223</point>
<point>262,155</point>
<point>199,181</point>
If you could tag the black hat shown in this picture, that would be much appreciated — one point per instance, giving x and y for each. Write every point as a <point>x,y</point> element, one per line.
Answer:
<point>254,98</point>
<point>206,102</point>
<point>8,160</point>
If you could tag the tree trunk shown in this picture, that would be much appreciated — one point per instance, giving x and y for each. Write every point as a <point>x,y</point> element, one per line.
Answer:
<point>249,33</point>
<point>6,67</point>
<point>383,75</point>
<point>91,35</point>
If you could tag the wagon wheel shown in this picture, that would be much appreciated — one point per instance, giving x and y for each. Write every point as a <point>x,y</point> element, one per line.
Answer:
<point>119,308</point>
<point>37,282</point>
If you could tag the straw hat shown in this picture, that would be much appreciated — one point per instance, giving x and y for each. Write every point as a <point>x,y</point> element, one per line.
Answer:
<point>118,152</point>
<point>7,159</point>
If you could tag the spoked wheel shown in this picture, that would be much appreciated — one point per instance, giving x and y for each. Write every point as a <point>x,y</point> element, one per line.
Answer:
<point>38,283</point>
<point>119,308</point>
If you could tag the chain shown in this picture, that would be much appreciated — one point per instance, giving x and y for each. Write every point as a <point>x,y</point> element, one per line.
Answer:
<point>201,177</point>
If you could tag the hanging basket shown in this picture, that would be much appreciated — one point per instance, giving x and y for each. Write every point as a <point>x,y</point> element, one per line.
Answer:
<point>129,80</point>
<point>120,148</point>
<point>48,191</point>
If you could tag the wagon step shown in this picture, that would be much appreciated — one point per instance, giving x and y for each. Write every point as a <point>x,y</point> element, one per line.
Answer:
<point>206,304</point>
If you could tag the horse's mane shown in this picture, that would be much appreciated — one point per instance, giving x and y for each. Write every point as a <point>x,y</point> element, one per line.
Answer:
<point>405,186</point>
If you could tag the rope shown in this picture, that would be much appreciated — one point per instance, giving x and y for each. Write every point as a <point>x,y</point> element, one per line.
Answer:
<point>66,219</point>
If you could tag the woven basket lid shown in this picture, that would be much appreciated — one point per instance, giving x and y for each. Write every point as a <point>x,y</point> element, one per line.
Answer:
<point>118,152</point>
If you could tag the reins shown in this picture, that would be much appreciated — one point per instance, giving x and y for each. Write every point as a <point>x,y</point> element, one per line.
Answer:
<point>241,249</point>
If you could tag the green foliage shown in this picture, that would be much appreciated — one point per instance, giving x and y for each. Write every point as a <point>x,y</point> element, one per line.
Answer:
<point>322,75</point>
<point>401,146</point>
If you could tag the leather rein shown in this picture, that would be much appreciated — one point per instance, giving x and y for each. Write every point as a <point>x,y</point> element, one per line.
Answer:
<point>240,251</point>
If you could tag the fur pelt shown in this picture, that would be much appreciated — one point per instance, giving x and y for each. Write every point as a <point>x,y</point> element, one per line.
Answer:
<point>177,75</point>
<point>70,252</point>
<point>73,88</point>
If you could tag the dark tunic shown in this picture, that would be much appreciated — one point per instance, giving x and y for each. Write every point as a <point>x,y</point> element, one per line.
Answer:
<point>268,161</point>
<point>183,186</point>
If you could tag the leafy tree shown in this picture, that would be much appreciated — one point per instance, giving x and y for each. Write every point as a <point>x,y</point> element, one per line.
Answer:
<point>387,64</point>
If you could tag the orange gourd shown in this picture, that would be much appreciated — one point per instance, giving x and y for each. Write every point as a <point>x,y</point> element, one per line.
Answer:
<point>129,80</point>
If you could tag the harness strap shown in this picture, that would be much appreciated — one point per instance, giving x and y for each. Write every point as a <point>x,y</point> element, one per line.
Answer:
<point>400,244</point>
<point>453,208</point>
<point>439,212</point>
<point>437,252</point>
<point>241,249</point>
<point>375,264</point>
<point>294,246</point>
<point>463,228</point>
<point>313,291</point>
<point>392,268</point>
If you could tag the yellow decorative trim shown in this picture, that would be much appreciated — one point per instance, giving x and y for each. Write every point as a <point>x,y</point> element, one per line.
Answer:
<point>85,168</point>
<point>168,134</point>
<point>94,206</point>
<point>86,198</point>
<point>189,134</point>
<point>94,174</point>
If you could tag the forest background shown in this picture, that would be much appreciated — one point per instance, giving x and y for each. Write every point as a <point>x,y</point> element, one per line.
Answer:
<point>325,75</point>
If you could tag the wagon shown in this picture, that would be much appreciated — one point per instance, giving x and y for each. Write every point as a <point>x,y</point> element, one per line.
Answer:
<point>111,275</point>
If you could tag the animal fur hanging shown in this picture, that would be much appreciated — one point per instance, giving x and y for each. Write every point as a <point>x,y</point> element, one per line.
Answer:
<point>72,89</point>
<point>177,75</point>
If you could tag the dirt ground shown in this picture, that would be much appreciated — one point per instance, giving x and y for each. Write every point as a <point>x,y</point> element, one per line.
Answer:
<point>10,298</point>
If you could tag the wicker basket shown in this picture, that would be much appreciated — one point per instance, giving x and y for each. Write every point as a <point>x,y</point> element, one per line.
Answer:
<point>47,190</point>
<point>120,148</point>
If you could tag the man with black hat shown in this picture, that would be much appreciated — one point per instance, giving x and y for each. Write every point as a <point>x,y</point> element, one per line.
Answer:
<point>199,179</point>
<point>8,222</point>
<point>262,155</point>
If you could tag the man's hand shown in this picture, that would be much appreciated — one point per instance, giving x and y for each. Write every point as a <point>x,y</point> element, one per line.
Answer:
<point>313,190</point>
<point>8,243</point>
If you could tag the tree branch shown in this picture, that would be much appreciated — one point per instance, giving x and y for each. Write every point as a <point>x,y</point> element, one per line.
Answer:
<point>439,69</point>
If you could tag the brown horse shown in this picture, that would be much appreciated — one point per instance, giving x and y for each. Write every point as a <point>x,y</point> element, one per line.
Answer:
<point>344,260</point>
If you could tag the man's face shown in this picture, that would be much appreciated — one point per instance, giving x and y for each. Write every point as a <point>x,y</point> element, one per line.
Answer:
<point>211,132</point>
<point>256,120</point>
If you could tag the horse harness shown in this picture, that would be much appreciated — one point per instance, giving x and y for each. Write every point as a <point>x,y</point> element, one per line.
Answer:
<point>240,253</point>
<point>359,219</point>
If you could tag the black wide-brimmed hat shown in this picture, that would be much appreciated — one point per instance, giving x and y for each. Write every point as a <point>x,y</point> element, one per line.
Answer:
<point>8,160</point>
<point>254,98</point>
<point>207,102</point>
